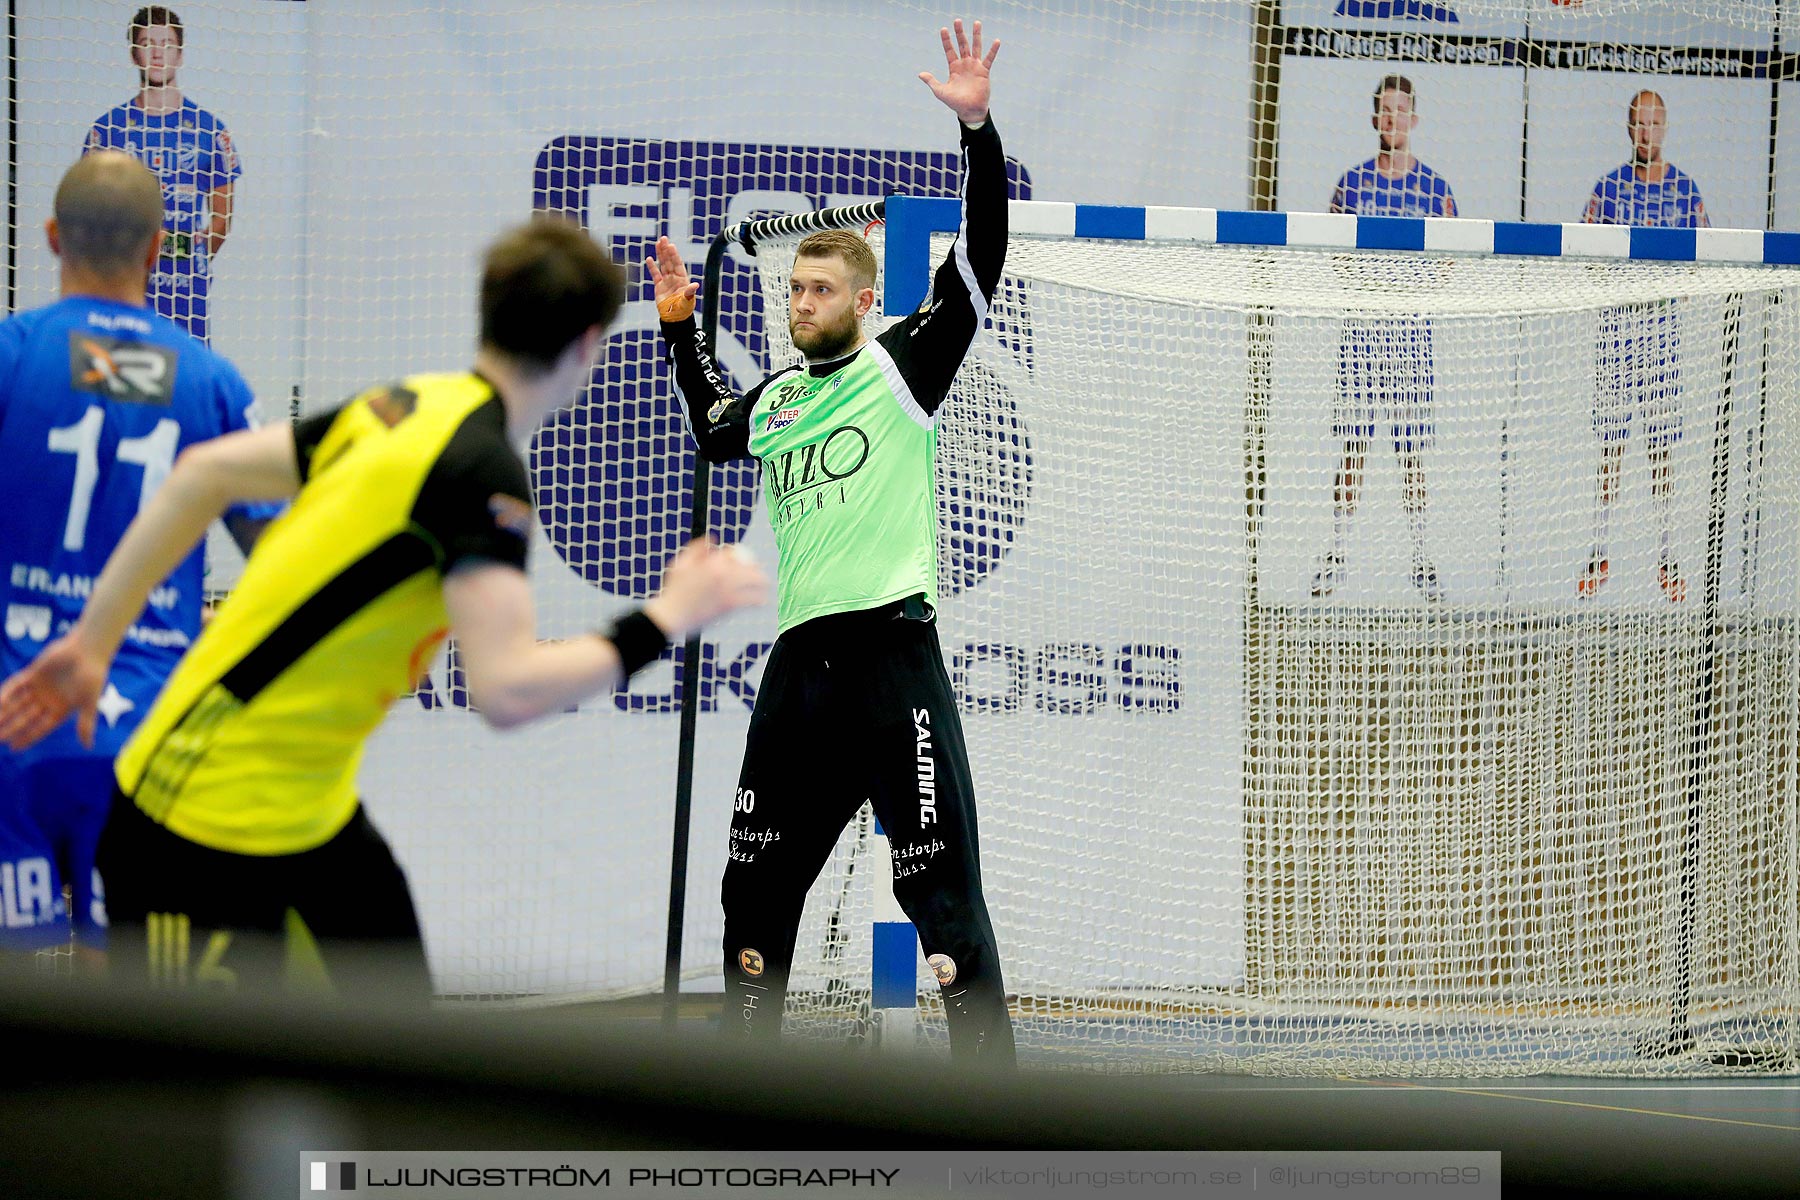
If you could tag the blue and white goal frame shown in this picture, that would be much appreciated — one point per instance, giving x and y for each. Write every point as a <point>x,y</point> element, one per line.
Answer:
<point>912,220</point>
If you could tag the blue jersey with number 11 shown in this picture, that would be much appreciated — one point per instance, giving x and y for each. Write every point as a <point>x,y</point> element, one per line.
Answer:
<point>96,400</point>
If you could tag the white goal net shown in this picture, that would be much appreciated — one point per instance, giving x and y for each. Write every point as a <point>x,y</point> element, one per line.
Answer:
<point>1499,824</point>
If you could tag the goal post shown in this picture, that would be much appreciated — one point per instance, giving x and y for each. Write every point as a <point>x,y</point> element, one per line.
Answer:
<point>745,234</point>
<point>1505,826</point>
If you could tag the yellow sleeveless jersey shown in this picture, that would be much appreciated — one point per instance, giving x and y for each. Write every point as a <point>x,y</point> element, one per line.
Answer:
<point>254,743</point>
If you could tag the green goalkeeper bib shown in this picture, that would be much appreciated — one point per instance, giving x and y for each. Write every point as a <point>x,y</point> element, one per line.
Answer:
<point>847,461</point>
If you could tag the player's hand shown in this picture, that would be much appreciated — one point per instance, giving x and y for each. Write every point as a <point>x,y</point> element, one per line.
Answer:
<point>674,291</point>
<point>703,582</point>
<point>966,89</point>
<point>63,679</point>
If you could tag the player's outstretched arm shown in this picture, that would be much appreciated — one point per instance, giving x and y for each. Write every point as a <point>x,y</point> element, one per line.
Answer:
<point>70,674</point>
<point>717,417</point>
<point>675,289</point>
<point>928,346</point>
<point>514,678</point>
<point>965,91</point>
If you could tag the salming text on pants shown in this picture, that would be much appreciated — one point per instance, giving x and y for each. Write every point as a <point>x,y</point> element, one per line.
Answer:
<point>850,707</point>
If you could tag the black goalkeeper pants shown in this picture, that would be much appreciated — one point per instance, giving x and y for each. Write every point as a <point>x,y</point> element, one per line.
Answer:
<point>853,707</point>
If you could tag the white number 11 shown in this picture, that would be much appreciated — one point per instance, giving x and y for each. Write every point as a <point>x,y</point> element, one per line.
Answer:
<point>154,452</point>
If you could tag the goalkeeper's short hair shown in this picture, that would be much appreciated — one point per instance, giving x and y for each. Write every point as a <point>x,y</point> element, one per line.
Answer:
<point>852,248</point>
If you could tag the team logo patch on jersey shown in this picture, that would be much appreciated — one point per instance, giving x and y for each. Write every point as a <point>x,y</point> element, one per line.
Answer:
<point>782,419</point>
<point>510,513</point>
<point>944,967</point>
<point>750,962</point>
<point>393,404</point>
<point>119,370</point>
<point>716,411</point>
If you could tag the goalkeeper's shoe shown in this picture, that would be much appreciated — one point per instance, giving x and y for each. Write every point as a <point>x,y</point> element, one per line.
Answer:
<point>1594,578</point>
<point>1329,574</point>
<point>1668,574</point>
<point>1425,578</point>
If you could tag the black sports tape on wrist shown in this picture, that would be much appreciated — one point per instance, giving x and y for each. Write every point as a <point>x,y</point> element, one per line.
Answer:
<point>638,639</point>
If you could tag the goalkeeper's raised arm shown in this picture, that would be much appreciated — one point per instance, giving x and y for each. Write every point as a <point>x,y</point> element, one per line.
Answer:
<point>929,345</point>
<point>717,417</point>
<point>825,316</point>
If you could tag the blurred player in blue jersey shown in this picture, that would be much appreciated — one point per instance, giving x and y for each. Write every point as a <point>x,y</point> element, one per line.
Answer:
<point>98,394</point>
<point>1384,363</point>
<point>190,151</point>
<point>1637,364</point>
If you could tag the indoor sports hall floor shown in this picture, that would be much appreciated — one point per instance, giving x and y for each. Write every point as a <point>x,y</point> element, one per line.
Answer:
<point>1573,1134</point>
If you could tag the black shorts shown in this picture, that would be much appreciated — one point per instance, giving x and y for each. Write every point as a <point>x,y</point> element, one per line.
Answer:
<point>187,915</point>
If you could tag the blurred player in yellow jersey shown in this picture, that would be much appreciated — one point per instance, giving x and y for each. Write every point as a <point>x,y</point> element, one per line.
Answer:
<point>236,807</point>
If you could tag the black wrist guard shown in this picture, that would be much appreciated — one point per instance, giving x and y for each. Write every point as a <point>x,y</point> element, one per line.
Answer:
<point>638,639</point>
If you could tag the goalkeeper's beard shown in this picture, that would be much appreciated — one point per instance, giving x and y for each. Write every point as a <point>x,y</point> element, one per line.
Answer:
<point>821,342</point>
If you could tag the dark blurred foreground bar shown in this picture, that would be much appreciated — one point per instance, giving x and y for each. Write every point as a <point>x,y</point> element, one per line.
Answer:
<point>110,1095</point>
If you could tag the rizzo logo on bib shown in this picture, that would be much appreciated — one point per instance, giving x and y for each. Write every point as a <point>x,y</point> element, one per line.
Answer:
<point>783,419</point>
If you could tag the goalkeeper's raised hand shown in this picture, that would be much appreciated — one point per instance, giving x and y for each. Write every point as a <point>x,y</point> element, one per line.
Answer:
<point>966,89</point>
<point>674,291</point>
